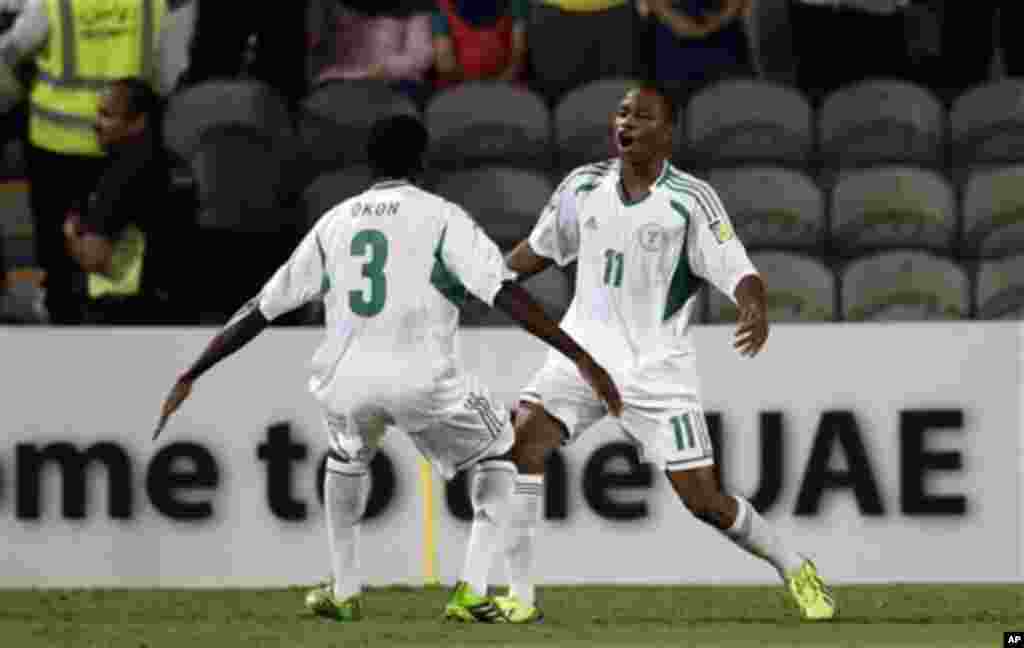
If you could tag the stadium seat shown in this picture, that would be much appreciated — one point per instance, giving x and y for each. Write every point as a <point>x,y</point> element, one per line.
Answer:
<point>999,292</point>
<point>745,121</point>
<point>772,207</point>
<point>879,122</point>
<point>175,38</point>
<point>480,123</point>
<point>223,104</point>
<point>892,207</point>
<point>551,288</point>
<point>336,119</point>
<point>993,208</point>
<point>987,124</point>
<point>904,285</point>
<point>505,201</point>
<point>330,189</point>
<point>238,140</point>
<point>770,32</point>
<point>583,123</point>
<point>800,289</point>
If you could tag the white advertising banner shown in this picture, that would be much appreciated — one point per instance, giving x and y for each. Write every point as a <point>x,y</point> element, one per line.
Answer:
<point>885,452</point>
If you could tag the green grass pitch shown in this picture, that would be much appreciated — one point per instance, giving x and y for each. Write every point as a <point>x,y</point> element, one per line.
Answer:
<point>882,615</point>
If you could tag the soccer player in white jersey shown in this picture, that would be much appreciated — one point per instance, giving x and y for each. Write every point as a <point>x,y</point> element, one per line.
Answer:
<point>646,237</point>
<point>391,265</point>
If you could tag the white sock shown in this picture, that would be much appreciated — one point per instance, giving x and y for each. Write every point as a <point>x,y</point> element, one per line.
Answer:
<point>490,488</point>
<point>527,507</point>
<point>753,533</point>
<point>346,491</point>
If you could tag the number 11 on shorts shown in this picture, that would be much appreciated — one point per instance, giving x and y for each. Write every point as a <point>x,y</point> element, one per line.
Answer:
<point>684,431</point>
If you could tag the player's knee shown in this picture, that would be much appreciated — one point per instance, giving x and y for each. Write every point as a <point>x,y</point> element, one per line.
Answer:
<point>491,486</point>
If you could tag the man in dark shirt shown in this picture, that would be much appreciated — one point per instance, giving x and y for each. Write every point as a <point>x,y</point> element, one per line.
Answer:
<point>116,237</point>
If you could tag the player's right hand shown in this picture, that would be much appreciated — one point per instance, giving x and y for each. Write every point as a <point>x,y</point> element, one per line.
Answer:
<point>602,383</point>
<point>178,394</point>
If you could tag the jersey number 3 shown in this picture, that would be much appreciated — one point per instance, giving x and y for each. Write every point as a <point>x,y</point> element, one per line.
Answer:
<point>367,303</point>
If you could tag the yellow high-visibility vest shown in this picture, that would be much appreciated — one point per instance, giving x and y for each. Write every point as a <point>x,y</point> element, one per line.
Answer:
<point>129,256</point>
<point>90,43</point>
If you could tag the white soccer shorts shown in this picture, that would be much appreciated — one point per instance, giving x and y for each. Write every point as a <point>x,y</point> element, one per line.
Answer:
<point>452,431</point>
<point>669,431</point>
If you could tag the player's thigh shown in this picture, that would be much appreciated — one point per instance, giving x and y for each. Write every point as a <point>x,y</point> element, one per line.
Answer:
<point>559,395</point>
<point>355,435</point>
<point>672,435</point>
<point>473,427</point>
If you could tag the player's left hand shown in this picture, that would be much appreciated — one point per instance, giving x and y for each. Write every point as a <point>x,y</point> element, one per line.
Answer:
<point>178,394</point>
<point>752,329</point>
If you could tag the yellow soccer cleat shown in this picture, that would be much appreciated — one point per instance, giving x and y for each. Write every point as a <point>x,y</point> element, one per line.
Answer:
<point>467,606</point>
<point>812,597</point>
<point>518,612</point>
<point>321,602</point>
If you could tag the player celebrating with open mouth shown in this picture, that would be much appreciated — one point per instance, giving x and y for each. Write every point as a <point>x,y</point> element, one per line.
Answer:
<point>646,237</point>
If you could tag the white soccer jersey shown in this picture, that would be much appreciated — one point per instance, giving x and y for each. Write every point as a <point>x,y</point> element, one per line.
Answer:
<point>640,265</point>
<point>390,264</point>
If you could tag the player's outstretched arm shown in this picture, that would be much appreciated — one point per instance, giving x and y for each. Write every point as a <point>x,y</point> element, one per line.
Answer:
<point>523,261</point>
<point>520,306</point>
<point>752,328</point>
<point>245,325</point>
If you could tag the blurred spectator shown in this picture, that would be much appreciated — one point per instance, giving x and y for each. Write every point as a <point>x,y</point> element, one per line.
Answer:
<point>697,42</point>
<point>117,235</point>
<point>839,42</point>
<point>480,40</point>
<point>573,42</point>
<point>969,37</point>
<point>77,49</point>
<point>378,41</point>
<point>266,41</point>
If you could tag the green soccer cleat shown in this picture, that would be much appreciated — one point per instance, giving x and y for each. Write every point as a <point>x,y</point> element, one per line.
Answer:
<point>813,598</point>
<point>467,606</point>
<point>321,602</point>
<point>518,612</point>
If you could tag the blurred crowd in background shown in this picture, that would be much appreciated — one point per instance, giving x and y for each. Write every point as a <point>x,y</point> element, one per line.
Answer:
<point>160,160</point>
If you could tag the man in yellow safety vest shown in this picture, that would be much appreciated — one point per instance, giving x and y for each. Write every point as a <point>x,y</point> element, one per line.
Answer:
<point>79,47</point>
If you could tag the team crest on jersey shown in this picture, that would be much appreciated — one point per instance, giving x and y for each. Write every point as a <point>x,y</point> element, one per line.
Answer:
<point>652,237</point>
<point>722,231</point>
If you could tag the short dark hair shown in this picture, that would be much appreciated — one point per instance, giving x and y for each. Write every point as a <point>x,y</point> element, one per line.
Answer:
<point>668,98</point>
<point>396,146</point>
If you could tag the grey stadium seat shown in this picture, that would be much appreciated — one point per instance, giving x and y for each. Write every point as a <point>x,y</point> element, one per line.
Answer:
<point>772,207</point>
<point>800,289</point>
<point>336,119</point>
<point>175,38</point>
<point>583,123</point>
<point>987,124</point>
<point>480,123</point>
<point>744,121</point>
<point>551,288</point>
<point>331,189</point>
<point>237,139</point>
<point>506,202</point>
<point>999,293</point>
<point>877,122</point>
<point>904,285</point>
<point>994,212</point>
<point>893,207</point>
